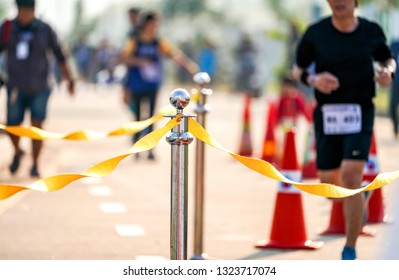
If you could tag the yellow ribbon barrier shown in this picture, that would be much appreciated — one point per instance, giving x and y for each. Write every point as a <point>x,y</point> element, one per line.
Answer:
<point>102,169</point>
<point>268,170</point>
<point>148,142</point>
<point>128,128</point>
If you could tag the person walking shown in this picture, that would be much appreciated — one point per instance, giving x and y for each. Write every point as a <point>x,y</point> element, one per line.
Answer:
<point>394,99</point>
<point>143,56</point>
<point>28,67</point>
<point>343,47</point>
<point>133,16</point>
<point>208,60</point>
<point>246,55</point>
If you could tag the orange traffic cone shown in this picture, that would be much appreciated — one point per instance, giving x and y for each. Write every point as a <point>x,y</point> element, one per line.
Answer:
<point>337,222</point>
<point>269,151</point>
<point>288,228</point>
<point>246,141</point>
<point>375,205</point>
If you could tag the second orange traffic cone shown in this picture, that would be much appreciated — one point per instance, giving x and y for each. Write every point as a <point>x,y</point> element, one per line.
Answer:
<point>269,149</point>
<point>288,228</point>
<point>246,148</point>
<point>336,225</point>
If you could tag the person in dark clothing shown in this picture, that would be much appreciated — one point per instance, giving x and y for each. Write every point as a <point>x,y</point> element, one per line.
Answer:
<point>246,58</point>
<point>343,48</point>
<point>28,67</point>
<point>394,98</point>
<point>133,15</point>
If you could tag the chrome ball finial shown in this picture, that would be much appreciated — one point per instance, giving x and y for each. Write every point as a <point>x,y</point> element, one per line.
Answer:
<point>179,98</point>
<point>202,78</point>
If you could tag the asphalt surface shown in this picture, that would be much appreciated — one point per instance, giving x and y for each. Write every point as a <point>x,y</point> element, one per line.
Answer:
<point>126,214</point>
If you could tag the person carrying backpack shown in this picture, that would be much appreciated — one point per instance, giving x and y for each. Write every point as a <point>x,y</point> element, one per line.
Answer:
<point>29,41</point>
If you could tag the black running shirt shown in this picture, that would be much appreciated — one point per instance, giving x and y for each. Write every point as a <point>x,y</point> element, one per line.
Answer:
<point>348,56</point>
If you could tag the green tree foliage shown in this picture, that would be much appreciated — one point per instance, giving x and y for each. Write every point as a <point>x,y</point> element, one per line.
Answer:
<point>81,27</point>
<point>383,4</point>
<point>3,9</point>
<point>173,8</point>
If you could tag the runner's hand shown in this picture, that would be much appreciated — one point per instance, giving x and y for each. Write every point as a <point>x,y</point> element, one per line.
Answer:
<point>384,77</point>
<point>326,82</point>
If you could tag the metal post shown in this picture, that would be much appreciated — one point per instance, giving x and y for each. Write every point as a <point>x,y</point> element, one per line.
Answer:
<point>201,109</point>
<point>179,138</point>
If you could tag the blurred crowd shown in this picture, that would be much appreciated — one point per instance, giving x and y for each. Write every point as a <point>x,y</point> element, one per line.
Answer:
<point>100,62</point>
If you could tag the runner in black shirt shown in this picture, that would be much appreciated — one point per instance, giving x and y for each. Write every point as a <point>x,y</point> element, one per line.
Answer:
<point>343,48</point>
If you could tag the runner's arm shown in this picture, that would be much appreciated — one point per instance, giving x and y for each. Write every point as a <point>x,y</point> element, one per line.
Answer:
<point>179,57</point>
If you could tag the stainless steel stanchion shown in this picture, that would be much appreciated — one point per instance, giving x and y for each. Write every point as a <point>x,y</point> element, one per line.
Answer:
<point>202,79</point>
<point>179,138</point>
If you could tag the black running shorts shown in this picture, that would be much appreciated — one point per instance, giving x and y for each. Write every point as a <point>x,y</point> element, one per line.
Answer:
<point>332,149</point>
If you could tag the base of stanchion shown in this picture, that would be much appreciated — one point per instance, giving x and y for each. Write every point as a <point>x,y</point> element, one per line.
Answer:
<point>308,244</point>
<point>200,257</point>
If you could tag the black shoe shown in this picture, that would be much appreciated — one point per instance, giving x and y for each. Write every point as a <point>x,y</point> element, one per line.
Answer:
<point>151,156</point>
<point>16,162</point>
<point>34,173</point>
<point>137,156</point>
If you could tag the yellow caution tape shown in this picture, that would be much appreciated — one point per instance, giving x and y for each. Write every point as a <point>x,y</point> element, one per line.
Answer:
<point>102,169</point>
<point>149,141</point>
<point>268,170</point>
<point>128,128</point>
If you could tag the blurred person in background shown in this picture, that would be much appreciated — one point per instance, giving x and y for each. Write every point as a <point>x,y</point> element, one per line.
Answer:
<point>105,55</point>
<point>291,103</point>
<point>246,59</point>
<point>394,98</point>
<point>82,53</point>
<point>207,59</point>
<point>143,56</point>
<point>343,47</point>
<point>28,67</point>
<point>107,59</point>
<point>133,16</point>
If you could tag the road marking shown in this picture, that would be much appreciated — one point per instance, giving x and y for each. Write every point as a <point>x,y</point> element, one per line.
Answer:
<point>113,207</point>
<point>151,258</point>
<point>100,190</point>
<point>130,230</point>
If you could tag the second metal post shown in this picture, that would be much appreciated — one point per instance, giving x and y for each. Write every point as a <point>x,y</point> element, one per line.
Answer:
<point>202,79</point>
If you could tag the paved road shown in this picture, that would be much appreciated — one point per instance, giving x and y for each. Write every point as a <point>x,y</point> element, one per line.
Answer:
<point>126,215</point>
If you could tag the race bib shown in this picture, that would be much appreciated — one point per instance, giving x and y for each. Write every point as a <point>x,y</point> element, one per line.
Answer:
<point>22,51</point>
<point>151,72</point>
<point>342,119</point>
